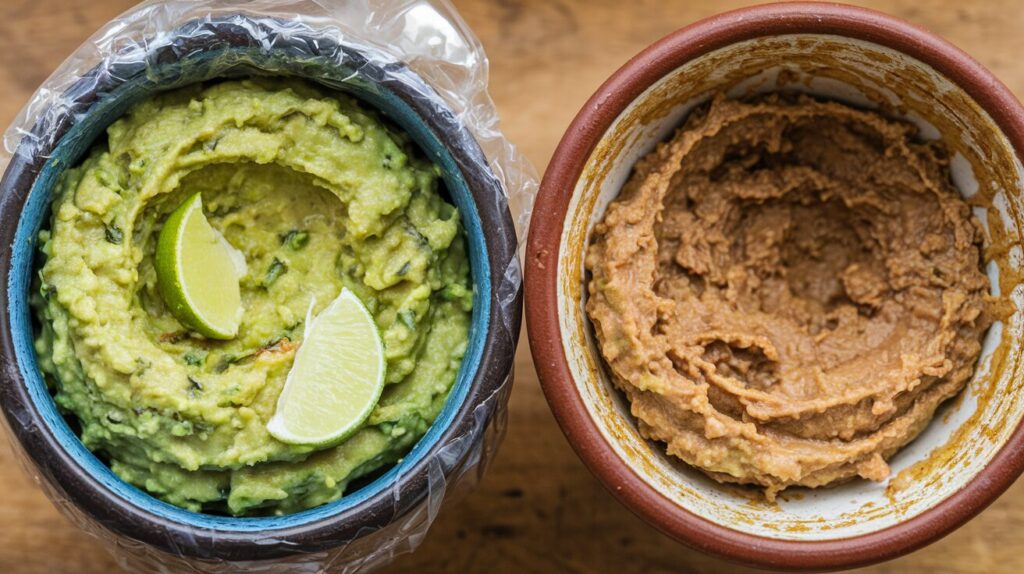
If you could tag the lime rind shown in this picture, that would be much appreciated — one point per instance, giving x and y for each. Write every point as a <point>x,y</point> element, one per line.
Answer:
<point>185,269</point>
<point>336,379</point>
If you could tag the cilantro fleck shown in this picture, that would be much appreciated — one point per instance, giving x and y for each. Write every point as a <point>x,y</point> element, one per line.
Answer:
<point>295,239</point>
<point>415,234</point>
<point>226,361</point>
<point>274,272</point>
<point>113,234</point>
<point>194,358</point>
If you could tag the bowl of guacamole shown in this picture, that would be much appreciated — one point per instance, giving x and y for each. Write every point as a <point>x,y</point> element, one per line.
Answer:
<point>323,174</point>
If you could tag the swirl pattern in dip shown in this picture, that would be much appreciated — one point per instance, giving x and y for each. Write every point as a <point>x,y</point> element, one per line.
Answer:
<point>787,290</point>
<point>318,194</point>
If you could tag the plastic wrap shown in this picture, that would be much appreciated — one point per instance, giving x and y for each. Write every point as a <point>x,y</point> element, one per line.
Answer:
<point>419,48</point>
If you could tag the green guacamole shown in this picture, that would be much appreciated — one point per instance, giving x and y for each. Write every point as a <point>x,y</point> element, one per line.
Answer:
<point>318,194</point>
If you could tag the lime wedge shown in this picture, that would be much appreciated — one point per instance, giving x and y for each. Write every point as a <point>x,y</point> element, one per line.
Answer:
<point>336,379</point>
<point>197,273</point>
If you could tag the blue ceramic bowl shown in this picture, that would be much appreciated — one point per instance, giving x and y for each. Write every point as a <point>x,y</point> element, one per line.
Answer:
<point>237,46</point>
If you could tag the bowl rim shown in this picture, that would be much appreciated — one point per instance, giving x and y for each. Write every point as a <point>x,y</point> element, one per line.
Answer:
<point>487,381</point>
<point>542,265</point>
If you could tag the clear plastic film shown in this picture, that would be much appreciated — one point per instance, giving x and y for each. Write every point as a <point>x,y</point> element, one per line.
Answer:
<point>418,53</point>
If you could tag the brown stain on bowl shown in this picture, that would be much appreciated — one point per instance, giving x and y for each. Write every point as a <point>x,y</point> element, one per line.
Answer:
<point>885,81</point>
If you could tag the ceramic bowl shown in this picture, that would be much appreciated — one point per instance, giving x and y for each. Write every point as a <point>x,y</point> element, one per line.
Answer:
<point>973,449</point>
<point>460,439</point>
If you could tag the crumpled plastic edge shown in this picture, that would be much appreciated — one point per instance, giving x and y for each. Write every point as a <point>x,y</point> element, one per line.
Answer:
<point>430,38</point>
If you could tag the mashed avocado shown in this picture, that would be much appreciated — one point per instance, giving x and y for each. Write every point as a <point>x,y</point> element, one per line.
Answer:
<point>318,194</point>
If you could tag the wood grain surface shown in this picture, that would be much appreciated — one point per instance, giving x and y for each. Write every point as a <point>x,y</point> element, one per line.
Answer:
<point>538,510</point>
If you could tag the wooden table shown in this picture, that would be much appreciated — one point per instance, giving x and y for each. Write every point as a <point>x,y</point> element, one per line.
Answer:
<point>538,510</point>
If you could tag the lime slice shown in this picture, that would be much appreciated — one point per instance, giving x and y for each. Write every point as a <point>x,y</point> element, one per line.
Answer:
<point>336,379</point>
<point>197,272</point>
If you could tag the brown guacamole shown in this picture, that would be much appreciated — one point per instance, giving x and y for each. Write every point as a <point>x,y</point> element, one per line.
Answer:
<point>787,290</point>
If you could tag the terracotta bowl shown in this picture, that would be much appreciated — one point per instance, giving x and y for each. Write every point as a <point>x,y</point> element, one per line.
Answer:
<point>973,449</point>
<point>379,517</point>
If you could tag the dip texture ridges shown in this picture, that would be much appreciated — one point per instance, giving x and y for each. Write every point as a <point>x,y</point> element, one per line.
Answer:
<point>787,290</point>
<point>319,194</point>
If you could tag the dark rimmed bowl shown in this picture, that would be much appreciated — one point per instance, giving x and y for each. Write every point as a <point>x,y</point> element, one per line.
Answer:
<point>972,451</point>
<point>457,444</point>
